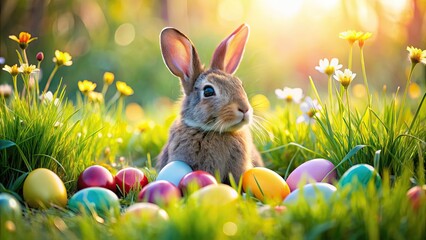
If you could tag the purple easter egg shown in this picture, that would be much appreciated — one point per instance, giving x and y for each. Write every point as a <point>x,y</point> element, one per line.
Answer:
<point>160,192</point>
<point>314,170</point>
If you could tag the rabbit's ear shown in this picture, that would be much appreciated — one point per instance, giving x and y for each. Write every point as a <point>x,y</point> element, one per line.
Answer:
<point>180,56</point>
<point>228,54</point>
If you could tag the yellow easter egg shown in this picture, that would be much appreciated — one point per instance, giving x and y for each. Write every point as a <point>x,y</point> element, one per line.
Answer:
<point>43,188</point>
<point>266,185</point>
<point>144,211</point>
<point>214,195</point>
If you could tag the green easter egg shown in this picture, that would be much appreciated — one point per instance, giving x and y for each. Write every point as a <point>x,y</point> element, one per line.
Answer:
<point>10,208</point>
<point>359,176</point>
<point>101,200</point>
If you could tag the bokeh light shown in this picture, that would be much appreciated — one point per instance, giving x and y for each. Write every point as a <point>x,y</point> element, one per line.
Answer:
<point>286,41</point>
<point>125,34</point>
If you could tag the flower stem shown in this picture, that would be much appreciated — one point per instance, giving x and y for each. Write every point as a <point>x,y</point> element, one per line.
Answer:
<point>330,90</point>
<point>407,85</point>
<point>104,89</point>
<point>349,120</point>
<point>120,108</point>
<point>364,74</point>
<point>15,86</point>
<point>25,56</point>
<point>50,79</point>
<point>112,100</point>
<point>350,57</point>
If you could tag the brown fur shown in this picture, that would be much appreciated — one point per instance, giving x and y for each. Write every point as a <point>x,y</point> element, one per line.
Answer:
<point>212,133</point>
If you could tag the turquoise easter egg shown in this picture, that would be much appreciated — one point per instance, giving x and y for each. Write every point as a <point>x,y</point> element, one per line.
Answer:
<point>95,199</point>
<point>173,172</point>
<point>312,193</point>
<point>10,208</point>
<point>359,176</point>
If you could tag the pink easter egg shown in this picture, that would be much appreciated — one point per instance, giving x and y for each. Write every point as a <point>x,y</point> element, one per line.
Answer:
<point>314,170</point>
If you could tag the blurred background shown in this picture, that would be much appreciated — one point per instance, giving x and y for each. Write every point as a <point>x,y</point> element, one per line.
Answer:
<point>287,40</point>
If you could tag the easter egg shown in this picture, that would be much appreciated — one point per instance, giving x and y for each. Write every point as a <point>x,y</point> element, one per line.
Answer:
<point>417,196</point>
<point>160,192</point>
<point>43,188</point>
<point>95,199</point>
<point>96,176</point>
<point>214,195</point>
<point>10,208</point>
<point>312,193</point>
<point>146,211</point>
<point>174,171</point>
<point>314,170</point>
<point>265,184</point>
<point>195,180</point>
<point>359,176</point>
<point>130,178</point>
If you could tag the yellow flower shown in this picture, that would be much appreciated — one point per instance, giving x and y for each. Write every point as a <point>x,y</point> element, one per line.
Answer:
<point>145,125</point>
<point>345,78</point>
<point>96,97</point>
<point>416,55</point>
<point>86,86</point>
<point>28,69</point>
<point>351,36</point>
<point>62,58</point>
<point>13,70</point>
<point>124,89</point>
<point>23,39</point>
<point>108,78</point>
<point>363,37</point>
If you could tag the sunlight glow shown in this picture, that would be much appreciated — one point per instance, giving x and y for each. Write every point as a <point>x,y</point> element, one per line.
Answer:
<point>125,34</point>
<point>395,8</point>
<point>327,4</point>
<point>283,8</point>
<point>230,10</point>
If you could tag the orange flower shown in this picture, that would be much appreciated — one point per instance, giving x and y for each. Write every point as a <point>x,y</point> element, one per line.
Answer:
<point>364,37</point>
<point>24,39</point>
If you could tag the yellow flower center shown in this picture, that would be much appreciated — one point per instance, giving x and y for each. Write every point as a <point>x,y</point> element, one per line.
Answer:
<point>329,70</point>
<point>14,70</point>
<point>415,55</point>
<point>345,81</point>
<point>311,113</point>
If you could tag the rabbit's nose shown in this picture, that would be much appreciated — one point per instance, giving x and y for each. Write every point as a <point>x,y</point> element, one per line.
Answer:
<point>243,109</point>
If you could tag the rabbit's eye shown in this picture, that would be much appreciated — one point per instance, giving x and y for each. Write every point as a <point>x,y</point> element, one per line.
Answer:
<point>208,91</point>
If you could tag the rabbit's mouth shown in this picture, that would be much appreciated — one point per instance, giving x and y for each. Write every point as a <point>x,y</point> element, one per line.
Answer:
<point>220,125</point>
<point>242,119</point>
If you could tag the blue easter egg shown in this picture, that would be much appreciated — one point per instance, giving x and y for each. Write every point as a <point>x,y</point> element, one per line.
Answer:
<point>173,172</point>
<point>101,200</point>
<point>10,208</point>
<point>312,193</point>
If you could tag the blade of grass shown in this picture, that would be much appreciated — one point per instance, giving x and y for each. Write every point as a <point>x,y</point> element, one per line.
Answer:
<point>350,154</point>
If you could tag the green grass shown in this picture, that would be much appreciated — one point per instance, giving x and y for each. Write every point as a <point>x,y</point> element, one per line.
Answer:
<point>387,132</point>
<point>364,215</point>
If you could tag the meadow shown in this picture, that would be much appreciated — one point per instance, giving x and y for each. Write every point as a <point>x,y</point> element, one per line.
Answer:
<point>41,128</point>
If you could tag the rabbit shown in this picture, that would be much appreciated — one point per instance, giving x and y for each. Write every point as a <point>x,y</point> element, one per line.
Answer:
<point>212,133</point>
